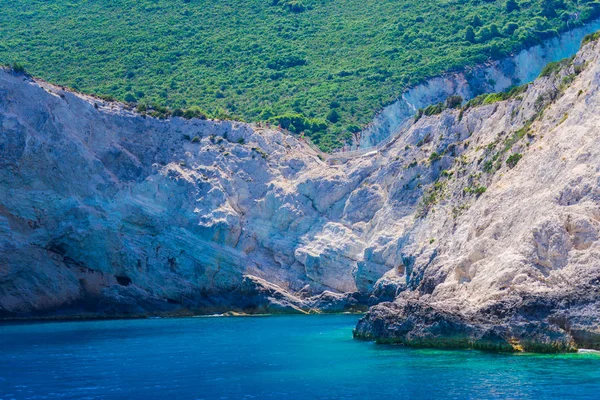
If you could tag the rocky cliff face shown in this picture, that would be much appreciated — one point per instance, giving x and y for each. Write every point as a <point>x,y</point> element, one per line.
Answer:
<point>497,76</point>
<point>105,212</point>
<point>513,262</point>
<point>480,227</point>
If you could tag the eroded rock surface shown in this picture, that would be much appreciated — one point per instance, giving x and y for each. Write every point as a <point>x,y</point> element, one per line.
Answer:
<point>504,253</point>
<point>492,77</point>
<point>106,212</point>
<point>476,228</point>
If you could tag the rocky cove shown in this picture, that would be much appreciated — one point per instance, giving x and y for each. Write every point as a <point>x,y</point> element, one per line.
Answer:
<point>475,228</point>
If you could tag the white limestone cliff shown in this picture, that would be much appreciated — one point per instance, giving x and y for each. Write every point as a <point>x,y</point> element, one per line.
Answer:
<point>497,76</point>
<point>106,212</point>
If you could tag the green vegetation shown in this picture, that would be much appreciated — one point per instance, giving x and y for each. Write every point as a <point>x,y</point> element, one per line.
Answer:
<point>432,196</point>
<point>17,68</point>
<point>513,160</point>
<point>564,118</point>
<point>325,65</point>
<point>260,151</point>
<point>476,190</point>
<point>484,99</point>
<point>566,81</point>
<point>554,67</point>
<point>494,163</point>
<point>434,157</point>
<point>592,37</point>
<point>492,98</point>
<point>434,109</point>
<point>447,173</point>
<point>454,101</point>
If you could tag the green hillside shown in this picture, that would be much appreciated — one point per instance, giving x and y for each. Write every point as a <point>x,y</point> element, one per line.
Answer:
<point>333,63</point>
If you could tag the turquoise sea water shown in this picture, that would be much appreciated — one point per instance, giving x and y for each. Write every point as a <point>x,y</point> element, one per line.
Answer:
<point>288,357</point>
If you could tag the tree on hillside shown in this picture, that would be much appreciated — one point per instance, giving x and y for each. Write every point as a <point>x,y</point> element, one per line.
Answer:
<point>489,32</point>
<point>549,8</point>
<point>510,28</point>
<point>470,34</point>
<point>333,116</point>
<point>475,21</point>
<point>512,5</point>
<point>494,31</point>
<point>130,98</point>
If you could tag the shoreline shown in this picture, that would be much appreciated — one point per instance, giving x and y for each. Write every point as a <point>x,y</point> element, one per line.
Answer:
<point>228,314</point>
<point>461,345</point>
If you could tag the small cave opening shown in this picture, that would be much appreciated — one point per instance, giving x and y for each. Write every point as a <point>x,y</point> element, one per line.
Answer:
<point>57,248</point>
<point>123,280</point>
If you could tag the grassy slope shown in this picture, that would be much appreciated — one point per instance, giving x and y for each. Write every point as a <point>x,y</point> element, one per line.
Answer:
<point>229,56</point>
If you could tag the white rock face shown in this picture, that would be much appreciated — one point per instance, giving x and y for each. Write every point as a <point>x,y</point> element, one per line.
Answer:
<point>105,212</point>
<point>498,76</point>
<point>517,265</point>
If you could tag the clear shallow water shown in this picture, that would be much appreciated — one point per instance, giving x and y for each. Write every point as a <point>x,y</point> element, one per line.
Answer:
<point>289,357</point>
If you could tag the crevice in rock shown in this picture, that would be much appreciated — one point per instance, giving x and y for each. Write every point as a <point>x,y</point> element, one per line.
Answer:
<point>123,280</point>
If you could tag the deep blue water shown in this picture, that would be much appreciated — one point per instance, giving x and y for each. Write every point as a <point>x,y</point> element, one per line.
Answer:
<point>288,357</point>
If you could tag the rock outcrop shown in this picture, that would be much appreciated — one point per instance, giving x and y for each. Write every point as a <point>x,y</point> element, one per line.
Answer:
<point>513,259</point>
<point>495,76</point>
<point>476,228</point>
<point>105,212</point>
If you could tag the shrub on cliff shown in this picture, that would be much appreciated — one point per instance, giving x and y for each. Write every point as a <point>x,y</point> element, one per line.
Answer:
<point>454,101</point>
<point>590,38</point>
<point>353,128</point>
<point>434,109</point>
<point>513,160</point>
<point>491,98</point>
<point>17,68</point>
<point>554,67</point>
<point>194,112</point>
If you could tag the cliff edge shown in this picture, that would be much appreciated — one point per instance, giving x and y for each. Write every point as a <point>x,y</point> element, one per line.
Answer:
<point>513,262</point>
<point>478,227</point>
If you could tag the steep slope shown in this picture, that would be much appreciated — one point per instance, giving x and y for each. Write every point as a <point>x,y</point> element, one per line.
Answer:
<point>480,224</point>
<point>496,76</point>
<point>337,61</point>
<point>106,212</point>
<point>517,266</point>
